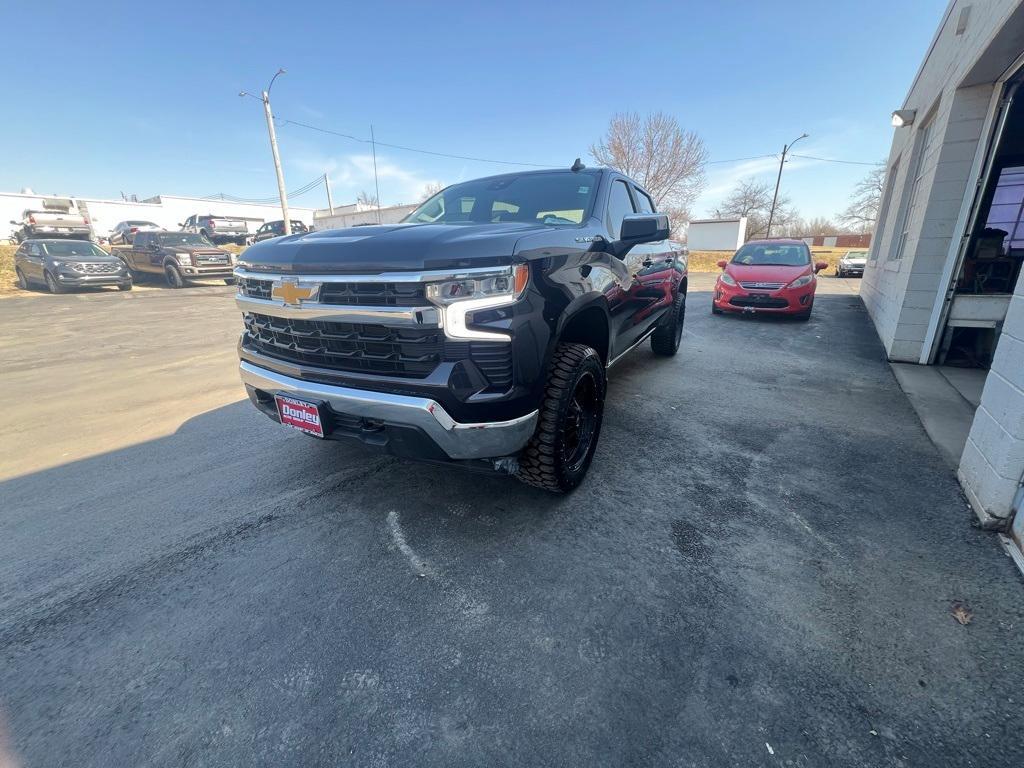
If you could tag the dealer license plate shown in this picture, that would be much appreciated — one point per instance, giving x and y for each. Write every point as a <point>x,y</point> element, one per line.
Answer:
<point>300,414</point>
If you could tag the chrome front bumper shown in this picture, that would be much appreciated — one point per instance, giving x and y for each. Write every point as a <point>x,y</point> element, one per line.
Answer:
<point>484,440</point>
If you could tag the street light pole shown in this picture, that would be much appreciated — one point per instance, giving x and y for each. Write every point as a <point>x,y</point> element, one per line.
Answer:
<point>265,98</point>
<point>778,180</point>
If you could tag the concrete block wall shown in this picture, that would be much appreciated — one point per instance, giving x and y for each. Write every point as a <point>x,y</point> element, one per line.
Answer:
<point>991,465</point>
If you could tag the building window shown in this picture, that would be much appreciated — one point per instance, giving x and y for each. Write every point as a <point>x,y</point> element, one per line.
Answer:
<point>891,177</point>
<point>914,198</point>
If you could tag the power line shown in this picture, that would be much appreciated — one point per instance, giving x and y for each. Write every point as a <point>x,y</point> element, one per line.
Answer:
<point>286,121</point>
<point>350,137</point>
<point>296,193</point>
<point>740,159</point>
<point>833,160</point>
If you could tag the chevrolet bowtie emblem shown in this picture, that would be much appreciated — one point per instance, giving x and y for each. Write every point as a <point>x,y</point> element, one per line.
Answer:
<point>291,291</point>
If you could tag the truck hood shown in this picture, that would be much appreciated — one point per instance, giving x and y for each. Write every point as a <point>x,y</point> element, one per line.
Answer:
<point>390,248</point>
<point>197,249</point>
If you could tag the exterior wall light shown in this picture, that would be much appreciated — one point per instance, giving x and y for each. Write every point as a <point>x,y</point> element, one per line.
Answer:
<point>903,117</point>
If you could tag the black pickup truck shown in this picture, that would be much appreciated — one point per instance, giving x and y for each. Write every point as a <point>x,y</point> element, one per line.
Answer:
<point>478,331</point>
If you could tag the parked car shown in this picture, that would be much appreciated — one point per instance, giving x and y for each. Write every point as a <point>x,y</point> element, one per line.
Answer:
<point>62,264</point>
<point>477,332</point>
<point>771,276</point>
<point>124,231</point>
<point>852,263</point>
<point>217,229</point>
<point>58,217</point>
<point>276,229</point>
<point>177,256</point>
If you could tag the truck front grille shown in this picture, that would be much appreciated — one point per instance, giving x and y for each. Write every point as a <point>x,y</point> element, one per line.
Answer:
<point>355,347</point>
<point>350,294</point>
<point>374,349</point>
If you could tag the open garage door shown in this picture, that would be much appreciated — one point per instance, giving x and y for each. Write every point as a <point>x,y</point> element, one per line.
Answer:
<point>992,249</point>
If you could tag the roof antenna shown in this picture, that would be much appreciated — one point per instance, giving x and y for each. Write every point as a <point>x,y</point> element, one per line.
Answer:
<point>577,166</point>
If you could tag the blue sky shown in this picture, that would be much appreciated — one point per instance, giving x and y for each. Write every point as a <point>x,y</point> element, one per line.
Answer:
<point>142,97</point>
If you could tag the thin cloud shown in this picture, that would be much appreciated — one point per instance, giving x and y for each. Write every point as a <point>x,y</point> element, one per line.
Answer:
<point>351,174</point>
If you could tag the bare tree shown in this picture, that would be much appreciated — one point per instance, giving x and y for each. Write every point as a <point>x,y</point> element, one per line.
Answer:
<point>366,199</point>
<point>862,212</point>
<point>665,159</point>
<point>430,189</point>
<point>753,199</point>
<point>819,225</point>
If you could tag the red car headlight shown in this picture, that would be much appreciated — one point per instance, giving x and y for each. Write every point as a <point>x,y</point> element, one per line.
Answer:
<point>727,279</point>
<point>801,281</point>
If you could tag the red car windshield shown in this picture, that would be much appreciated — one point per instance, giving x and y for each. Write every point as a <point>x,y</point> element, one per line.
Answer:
<point>771,254</point>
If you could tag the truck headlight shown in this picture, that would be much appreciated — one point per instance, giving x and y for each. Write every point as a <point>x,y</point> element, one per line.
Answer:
<point>185,259</point>
<point>462,295</point>
<point>74,266</point>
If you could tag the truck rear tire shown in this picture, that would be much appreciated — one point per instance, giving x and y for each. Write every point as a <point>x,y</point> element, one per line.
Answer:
<point>569,424</point>
<point>666,337</point>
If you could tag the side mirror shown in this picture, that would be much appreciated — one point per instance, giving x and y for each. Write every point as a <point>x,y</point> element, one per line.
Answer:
<point>722,263</point>
<point>820,265</point>
<point>640,228</point>
<point>15,223</point>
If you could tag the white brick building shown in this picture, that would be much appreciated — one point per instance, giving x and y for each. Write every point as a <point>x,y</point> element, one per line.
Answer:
<point>943,281</point>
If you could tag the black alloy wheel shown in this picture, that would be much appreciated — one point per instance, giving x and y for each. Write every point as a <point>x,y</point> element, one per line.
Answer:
<point>580,423</point>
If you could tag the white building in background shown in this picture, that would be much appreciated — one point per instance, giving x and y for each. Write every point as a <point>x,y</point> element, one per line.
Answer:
<point>716,234</point>
<point>360,213</point>
<point>943,282</point>
<point>168,211</point>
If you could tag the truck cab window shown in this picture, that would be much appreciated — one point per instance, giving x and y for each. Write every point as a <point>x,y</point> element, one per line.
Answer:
<point>619,205</point>
<point>643,201</point>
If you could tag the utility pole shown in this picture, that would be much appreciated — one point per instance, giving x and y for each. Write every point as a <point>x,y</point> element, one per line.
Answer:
<point>327,186</point>
<point>778,180</point>
<point>376,184</point>
<point>265,98</point>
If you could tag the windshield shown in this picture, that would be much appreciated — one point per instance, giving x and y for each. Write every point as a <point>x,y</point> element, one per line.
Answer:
<point>772,254</point>
<point>856,254</point>
<point>74,248</point>
<point>555,198</point>
<point>140,223</point>
<point>182,239</point>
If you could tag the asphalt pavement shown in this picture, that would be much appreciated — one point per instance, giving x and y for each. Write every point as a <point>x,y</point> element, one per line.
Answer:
<point>761,568</point>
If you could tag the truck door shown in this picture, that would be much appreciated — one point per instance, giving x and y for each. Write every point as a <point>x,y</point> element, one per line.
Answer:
<point>656,277</point>
<point>624,301</point>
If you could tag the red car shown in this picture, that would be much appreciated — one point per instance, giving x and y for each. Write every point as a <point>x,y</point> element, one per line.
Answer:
<point>771,276</point>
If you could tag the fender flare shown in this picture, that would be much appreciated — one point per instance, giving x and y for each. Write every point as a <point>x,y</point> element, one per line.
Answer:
<point>572,310</point>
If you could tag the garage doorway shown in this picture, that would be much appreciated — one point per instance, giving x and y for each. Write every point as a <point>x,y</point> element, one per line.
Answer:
<point>992,251</point>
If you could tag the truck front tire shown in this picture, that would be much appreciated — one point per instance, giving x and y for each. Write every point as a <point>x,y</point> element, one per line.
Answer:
<point>173,276</point>
<point>569,424</point>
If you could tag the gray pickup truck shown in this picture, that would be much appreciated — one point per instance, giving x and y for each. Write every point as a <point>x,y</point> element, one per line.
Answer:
<point>217,229</point>
<point>54,218</point>
<point>177,256</point>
